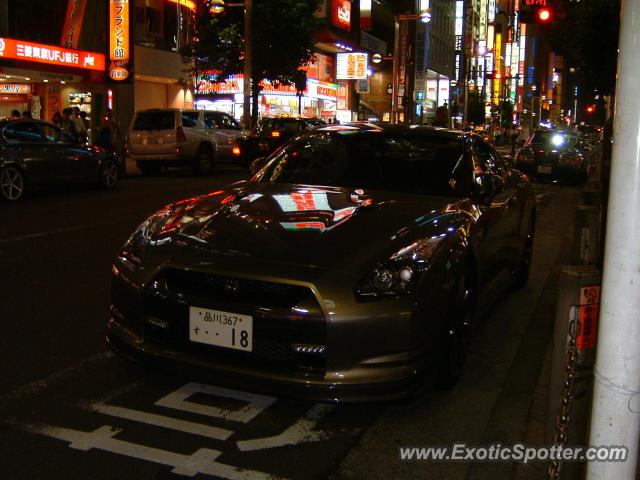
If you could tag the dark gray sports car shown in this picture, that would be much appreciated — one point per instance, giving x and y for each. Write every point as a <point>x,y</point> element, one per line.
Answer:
<point>35,153</point>
<point>353,265</point>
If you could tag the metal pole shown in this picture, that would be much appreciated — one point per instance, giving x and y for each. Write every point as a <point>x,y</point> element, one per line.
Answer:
<point>248,15</point>
<point>396,55</point>
<point>615,418</point>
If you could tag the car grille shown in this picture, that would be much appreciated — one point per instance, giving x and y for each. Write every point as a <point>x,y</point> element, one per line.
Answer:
<point>283,314</point>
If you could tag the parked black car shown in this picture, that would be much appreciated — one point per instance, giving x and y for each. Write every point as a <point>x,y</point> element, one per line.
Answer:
<point>553,154</point>
<point>269,135</point>
<point>35,153</point>
<point>353,265</point>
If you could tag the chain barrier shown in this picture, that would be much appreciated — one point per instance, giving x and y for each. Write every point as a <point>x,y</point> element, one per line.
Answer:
<point>566,398</point>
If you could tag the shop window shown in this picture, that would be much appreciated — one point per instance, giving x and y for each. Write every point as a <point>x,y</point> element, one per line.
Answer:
<point>23,132</point>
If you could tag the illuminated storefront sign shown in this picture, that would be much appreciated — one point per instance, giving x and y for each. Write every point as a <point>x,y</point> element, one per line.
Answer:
<point>15,89</point>
<point>210,84</point>
<point>341,14</point>
<point>119,49</point>
<point>119,30</point>
<point>51,55</point>
<point>73,23</point>
<point>190,4</point>
<point>351,66</point>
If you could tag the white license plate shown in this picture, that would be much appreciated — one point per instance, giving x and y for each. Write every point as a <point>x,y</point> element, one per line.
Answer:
<point>223,329</point>
<point>544,169</point>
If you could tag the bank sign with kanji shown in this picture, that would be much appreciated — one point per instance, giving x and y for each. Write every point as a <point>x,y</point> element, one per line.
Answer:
<point>119,34</point>
<point>13,49</point>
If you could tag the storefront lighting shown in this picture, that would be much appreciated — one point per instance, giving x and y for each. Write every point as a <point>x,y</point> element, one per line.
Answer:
<point>46,81</point>
<point>62,82</point>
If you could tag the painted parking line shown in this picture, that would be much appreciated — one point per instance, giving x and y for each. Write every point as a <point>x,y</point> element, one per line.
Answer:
<point>300,432</point>
<point>202,461</point>
<point>255,403</point>
<point>161,421</point>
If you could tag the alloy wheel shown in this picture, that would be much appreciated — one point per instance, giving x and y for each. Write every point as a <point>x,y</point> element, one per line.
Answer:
<point>109,174</point>
<point>11,183</point>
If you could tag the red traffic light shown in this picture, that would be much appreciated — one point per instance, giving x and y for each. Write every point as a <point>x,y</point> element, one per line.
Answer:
<point>544,15</point>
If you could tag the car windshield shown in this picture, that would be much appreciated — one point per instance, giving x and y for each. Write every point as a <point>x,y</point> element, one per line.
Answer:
<point>377,160</point>
<point>155,121</point>
<point>549,138</point>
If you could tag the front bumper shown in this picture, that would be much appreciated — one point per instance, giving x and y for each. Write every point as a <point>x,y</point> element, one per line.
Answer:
<point>374,350</point>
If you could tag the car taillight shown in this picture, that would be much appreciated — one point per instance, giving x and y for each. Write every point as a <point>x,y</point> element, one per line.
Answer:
<point>180,136</point>
<point>236,150</point>
<point>275,134</point>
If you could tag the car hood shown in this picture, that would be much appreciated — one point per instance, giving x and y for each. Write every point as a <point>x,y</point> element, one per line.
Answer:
<point>326,227</point>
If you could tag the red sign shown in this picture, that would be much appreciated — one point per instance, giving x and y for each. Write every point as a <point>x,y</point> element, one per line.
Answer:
<point>118,73</point>
<point>50,54</point>
<point>73,23</point>
<point>341,14</point>
<point>588,316</point>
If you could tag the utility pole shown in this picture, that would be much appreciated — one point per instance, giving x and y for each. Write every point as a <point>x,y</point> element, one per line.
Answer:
<point>246,83</point>
<point>615,417</point>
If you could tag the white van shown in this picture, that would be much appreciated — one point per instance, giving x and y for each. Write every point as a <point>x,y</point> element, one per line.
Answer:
<point>174,137</point>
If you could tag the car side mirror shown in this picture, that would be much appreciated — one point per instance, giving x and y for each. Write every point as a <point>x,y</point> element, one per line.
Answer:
<point>256,165</point>
<point>487,186</point>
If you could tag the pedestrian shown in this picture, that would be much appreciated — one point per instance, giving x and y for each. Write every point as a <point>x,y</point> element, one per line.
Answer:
<point>87,124</point>
<point>67,124</point>
<point>15,114</point>
<point>442,117</point>
<point>57,119</point>
<point>514,140</point>
<point>79,126</point>
<point>109,135</point>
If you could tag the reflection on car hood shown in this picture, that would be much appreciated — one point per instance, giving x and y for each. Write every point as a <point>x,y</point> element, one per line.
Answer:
<point>327,227</point>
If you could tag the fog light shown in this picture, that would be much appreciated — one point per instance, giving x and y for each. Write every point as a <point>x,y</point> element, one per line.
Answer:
<point>406,274</point>
<point>312,349</point>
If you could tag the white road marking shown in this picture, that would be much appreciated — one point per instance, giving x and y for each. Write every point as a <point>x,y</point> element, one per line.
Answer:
<point>178,400</point>
<point>300,432</point>
<point>202,461</point>
<point>162,421</point>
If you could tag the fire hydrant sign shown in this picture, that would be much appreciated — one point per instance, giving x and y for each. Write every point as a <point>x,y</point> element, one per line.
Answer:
<point>588,316</point>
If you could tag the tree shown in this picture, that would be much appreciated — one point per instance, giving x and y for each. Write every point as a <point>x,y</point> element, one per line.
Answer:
<point>282,41</point>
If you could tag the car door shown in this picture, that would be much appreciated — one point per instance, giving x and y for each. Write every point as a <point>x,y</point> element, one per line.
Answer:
<point>499,204</point>
<point>74,160</point>
<point>38,158</point>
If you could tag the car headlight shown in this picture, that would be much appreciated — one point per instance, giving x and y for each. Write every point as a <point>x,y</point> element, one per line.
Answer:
<point>400,274</point>
<point>133,250</point>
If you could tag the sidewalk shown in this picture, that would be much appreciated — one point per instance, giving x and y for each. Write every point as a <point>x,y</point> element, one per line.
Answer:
<point>501,395</point>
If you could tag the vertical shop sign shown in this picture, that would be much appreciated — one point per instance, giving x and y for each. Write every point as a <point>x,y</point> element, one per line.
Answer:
<point>73,23</point>
<point>119,33</point>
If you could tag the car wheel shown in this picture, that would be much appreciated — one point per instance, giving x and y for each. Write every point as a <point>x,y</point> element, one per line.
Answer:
<point>12,183</point>
<point>522,275</point>
<point>108,173</point>
<point>203,163</point>
<point>456,336</point>
<point>149,169</point>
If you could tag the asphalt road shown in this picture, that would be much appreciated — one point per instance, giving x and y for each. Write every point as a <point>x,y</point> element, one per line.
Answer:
<point>69,408</point>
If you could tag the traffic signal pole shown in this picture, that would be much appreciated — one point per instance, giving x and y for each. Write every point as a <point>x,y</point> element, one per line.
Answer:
<point>246,82</point>
<point>615,418</point>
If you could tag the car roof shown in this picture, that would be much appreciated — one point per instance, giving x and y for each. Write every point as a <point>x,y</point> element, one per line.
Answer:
<point>359,127</point>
